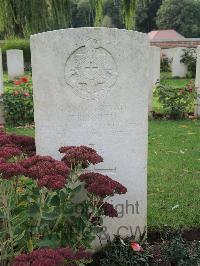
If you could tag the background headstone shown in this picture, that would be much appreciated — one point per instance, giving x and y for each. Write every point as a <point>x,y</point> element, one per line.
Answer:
<point>90,88</point>
<point>197,109</point>
<point>15,63</point>
<point>1,73</point>
<point>1,91</point>
<point>178,69</point>
<point>154,75</point>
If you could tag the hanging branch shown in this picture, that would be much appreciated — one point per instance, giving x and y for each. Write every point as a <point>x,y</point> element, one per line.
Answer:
<point>128,11</point>
<point>98,13</point>
<point>59,13</point>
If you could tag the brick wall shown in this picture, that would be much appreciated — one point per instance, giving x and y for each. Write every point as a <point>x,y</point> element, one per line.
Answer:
<point>171,44</point>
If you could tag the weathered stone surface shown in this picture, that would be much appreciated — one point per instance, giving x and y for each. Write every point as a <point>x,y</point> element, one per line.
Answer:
<point>91,87</point>
<point>178,69</point>
<point>154,74</point>
<point>197,109</point>
<point>15,63</point>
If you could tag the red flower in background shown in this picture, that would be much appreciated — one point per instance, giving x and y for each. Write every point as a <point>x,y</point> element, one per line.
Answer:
<point>24,79</point>
<point>16,93</point>
<point>26,94</point>
<point>136,247</point>
<point>16,82</point>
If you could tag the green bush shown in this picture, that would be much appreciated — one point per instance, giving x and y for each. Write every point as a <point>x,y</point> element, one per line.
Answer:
<point>18,103</point>
<point>189,58</point>
<point>178,252</point>
<point>176,102</point>
<point>21,44</point>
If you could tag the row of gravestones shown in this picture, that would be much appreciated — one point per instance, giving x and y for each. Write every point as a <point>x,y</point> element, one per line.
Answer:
<point>178,68</point>
<point>91,88</point>
<point>15,64</point>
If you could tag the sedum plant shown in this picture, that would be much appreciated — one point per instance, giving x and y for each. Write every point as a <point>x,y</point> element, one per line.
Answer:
<point>46,204</point>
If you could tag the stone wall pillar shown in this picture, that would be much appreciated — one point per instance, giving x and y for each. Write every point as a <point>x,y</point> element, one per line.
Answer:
<point>154,73</point>
<point>1,91</point>
<point>197,83</point>
<point>178,69</point>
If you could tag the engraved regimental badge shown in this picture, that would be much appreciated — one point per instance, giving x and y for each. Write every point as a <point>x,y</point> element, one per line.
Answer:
<point>90,70</point>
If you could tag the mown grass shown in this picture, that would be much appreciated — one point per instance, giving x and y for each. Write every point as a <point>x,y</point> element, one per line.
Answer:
<point>21,131</point>
<point>173,173</point>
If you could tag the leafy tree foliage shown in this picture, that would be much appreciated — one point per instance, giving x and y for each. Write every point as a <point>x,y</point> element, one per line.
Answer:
<point>82,13</point>
<point>112,14</point>
<point>128,11</point>
<point>22,18</point>
<point>146,14</point>
<point>183,16</point>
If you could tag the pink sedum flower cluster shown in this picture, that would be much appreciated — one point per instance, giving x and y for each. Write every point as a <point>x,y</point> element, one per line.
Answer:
<point>12,145</point>
<point>48,172</point>
<point>109,210</point>
<point>50,257</point>
<point>101,185</point>
<point>9,150</point>
<point>10,170</point>
<point>81,155</point>
<point>27,144</point>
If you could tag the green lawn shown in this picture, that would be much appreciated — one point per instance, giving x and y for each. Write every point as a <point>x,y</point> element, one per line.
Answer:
<point>173,173</point>
<point>21,131</point>
<point>177,83</point>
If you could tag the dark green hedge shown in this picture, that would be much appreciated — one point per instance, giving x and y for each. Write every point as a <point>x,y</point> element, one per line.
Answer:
<point>22,44</point>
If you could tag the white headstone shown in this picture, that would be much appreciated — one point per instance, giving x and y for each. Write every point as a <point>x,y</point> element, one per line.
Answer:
<point>1,73</point>
<point>90,88</point>
<point>154,75</point>
<point>15,63</point>
<point>197,109</point>
<point>1,91</point>
<point>178,69</point>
